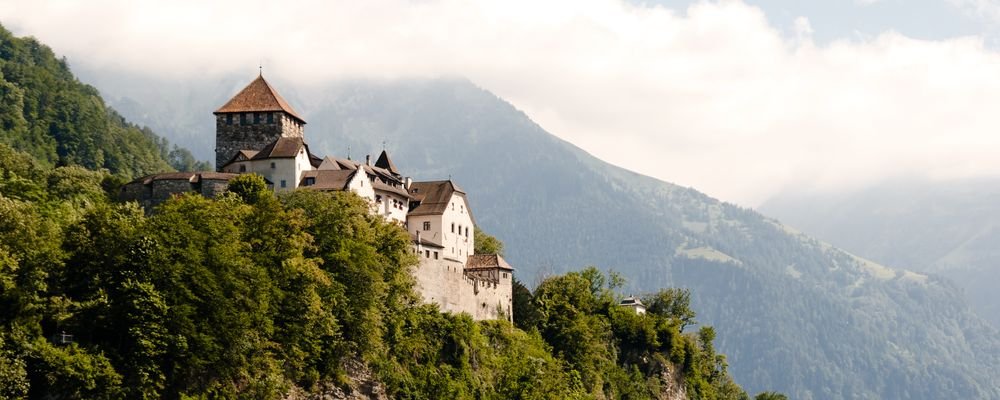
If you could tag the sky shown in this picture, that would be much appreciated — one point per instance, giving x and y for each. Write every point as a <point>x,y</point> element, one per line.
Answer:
<point>739,99</point>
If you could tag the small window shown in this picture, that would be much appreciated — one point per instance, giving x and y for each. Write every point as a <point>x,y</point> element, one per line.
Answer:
<point>229,119</point>
<point>282,183</point>
<point>256,118</point>
<point>453,227</point>
<point>466,231</point>
<point>310,181</point>
<point>452,206</point>
<point>427,225</point>
<point>272,165</point>
<point>243,168</point>
<point>378,198</point>
<point>427,253</point>
<point>243,119</point>
<point>270,118</point>
<point>435,255</point>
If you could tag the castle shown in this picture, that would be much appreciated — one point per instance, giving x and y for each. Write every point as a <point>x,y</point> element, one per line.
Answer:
<point>257,131</point>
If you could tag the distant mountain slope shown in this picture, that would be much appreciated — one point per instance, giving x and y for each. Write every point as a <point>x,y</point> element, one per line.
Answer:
<point>793,314</point>
<point>46,112</point>
<point>950,228</point>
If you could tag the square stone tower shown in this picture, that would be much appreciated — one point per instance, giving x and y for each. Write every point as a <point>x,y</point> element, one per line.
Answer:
<point>252,119</point>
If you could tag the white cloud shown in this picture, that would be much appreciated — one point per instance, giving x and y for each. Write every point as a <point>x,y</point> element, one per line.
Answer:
<point>712,97</point>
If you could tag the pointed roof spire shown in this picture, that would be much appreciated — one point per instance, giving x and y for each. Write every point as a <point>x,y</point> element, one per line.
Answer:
<point>385,163</point>
<point>256,97</point>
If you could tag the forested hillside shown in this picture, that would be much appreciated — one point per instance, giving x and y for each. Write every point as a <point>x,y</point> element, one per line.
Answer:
<point>949,228</point>
<point>253,296</point>
<point>46,112</point>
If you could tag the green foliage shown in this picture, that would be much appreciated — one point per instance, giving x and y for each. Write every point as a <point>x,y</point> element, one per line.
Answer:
<point>620,354</point>
<point>770,396</point>
<point>486,244</point>
<point>46,112</point>
<point>251,188</point>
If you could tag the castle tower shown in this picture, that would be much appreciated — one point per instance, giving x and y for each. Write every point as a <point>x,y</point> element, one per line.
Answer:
<point>252,119</point>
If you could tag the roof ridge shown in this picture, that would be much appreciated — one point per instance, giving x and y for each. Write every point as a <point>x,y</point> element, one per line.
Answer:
<point>258,95</point>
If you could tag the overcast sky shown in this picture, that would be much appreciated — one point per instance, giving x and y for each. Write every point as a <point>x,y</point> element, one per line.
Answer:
<point>737,99</point>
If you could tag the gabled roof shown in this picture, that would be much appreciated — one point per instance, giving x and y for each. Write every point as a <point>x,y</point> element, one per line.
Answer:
<point>487,261</point>
<point>328,179</point>
<point>242,155</point>
<point>328,164</point>
<point>434,196</point>
<point>385,163</point>
<point>258,96</point>
<point>378,185</point>
<point>632,301</point>
<point>283,147</point>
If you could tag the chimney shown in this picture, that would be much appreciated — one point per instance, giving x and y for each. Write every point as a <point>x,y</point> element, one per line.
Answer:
<point>368,159</point>
<point>407,182</point>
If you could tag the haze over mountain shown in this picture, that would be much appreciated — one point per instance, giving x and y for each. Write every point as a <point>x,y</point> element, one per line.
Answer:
<point>950,228</point>
<point>780,91</point>
<point>794,314</point>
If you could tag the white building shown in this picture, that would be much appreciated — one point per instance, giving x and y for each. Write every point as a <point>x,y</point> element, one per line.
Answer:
<point>436,213</point>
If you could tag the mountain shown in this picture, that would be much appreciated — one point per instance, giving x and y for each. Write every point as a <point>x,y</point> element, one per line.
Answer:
<point>950,228</point>
<point>793,314</point>
<point>46,112</point>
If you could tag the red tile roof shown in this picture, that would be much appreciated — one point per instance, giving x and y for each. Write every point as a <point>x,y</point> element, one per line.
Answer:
<point>433,196</point>
<point>487,261</point>
<point>258,96</point>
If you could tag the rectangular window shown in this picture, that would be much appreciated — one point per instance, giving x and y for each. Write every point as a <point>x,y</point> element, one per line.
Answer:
<point>272,165</point>
<point>243,119</point>
<point>310,181</point>
<point>270,118</point>
<point>435,255</point>
<point>229,119</point>
<point>427,225</point>
<point>282,183</point>
<point>427,253</point>
<point>256,118</point>
<point>452,227</point>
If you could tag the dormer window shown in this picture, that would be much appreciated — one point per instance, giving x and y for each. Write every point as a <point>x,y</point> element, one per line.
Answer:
<point>310,181</point>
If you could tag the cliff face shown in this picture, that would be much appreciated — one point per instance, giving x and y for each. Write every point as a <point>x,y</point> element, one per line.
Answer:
<point>361,385</point>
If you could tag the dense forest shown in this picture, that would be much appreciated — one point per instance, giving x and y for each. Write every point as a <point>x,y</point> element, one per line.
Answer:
<point>256,296</point>
<point>46,112</point>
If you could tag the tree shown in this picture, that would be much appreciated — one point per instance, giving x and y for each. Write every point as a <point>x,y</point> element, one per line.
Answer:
<point>486,244</point>
<point>672,303</point>
<point>251,188</point>
<point>770,396</point>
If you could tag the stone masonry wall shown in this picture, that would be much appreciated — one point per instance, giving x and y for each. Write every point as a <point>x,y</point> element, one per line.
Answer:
<point>230,138</point>
<point>445,283</point>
